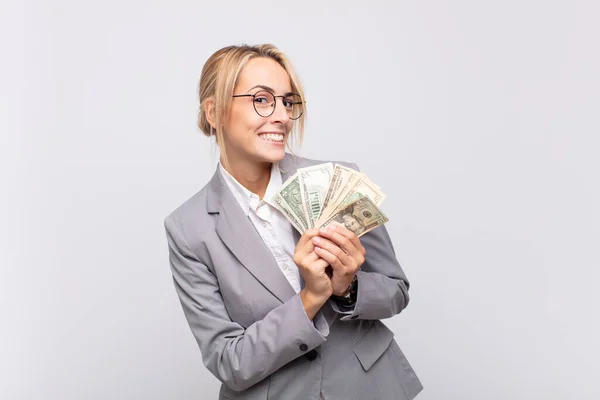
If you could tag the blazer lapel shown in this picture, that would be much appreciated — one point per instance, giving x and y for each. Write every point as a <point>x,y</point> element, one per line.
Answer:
<point>288,166</point>
<point>241,237</point>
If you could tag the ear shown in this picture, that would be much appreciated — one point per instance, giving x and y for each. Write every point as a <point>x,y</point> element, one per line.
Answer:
<point>210,112</point>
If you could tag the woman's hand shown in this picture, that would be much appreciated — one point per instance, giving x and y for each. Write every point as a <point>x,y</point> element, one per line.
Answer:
<point>341,249</point>
<point>318,287</point>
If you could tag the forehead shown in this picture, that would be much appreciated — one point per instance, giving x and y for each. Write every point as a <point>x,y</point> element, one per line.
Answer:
<point>266,72</point>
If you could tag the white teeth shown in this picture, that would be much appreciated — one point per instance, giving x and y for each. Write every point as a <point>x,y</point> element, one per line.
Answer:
<point>272,137</point>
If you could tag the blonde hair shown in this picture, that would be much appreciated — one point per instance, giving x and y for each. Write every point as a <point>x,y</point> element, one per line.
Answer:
<point>219,77</point>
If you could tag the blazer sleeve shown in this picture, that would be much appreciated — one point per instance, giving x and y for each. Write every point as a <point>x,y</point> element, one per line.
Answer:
<point>382,284</point>
<point>239,357</point>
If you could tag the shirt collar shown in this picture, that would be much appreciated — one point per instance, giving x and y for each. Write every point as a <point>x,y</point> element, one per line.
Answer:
<point>246,199</point>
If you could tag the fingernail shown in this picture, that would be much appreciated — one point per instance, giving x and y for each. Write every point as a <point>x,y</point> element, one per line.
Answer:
<point>332,227</point>
<point>323,230</point>
<point>316,240</point>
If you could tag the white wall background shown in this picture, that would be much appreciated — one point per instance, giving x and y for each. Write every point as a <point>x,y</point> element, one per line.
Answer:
<point>478,119</point>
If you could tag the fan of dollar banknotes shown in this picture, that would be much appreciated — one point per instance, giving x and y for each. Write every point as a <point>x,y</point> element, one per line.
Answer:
<point>326,194</point>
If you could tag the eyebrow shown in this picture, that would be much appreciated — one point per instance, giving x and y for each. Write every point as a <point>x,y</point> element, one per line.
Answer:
<point>269,89</point>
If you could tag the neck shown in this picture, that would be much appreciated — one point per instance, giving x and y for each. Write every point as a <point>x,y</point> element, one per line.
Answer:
<point>251,175</point>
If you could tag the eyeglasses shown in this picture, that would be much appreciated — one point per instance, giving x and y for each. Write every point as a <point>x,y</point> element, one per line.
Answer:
<point>265,102</point>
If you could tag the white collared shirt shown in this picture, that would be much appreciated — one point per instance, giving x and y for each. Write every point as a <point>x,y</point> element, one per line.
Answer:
<point>274,229</point>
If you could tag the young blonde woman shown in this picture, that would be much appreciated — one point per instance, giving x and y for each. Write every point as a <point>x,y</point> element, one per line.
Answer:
<point>270,321</point>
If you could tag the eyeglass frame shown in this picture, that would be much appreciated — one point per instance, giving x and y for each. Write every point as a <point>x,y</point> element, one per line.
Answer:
<point>275,102</point>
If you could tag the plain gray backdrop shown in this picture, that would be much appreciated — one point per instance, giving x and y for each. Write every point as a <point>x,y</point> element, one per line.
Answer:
<point>478,119</point>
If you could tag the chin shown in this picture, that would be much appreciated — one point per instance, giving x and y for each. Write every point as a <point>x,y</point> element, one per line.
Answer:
<point>268,152</point>
<point>273,156</point>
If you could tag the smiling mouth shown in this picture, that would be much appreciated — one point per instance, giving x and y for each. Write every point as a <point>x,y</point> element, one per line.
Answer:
<point>272,137</point>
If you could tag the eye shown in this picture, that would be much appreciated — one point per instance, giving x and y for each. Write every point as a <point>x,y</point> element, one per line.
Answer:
<point>288,103</point>
<point>261,100</point>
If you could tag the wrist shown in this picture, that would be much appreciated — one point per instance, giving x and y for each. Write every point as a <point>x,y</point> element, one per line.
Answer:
<point>312,303</point>
<point>349,297</point>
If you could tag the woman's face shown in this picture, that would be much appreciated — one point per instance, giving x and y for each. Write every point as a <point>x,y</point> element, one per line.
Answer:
<point>248,136</point>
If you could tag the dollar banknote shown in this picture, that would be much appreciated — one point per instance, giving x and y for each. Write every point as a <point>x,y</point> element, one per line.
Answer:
<point>361,188</point>
<point>285,208</point>
<point>360,217</point>
<point>320,195</point>
<point>341,178</point>
<point>314,182</point>
<point>291,194</point>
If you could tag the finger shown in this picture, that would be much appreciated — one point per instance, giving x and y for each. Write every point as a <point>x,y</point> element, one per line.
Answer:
<point>304,245</point>
<point>317,265</point>
<point>330,258</point>
<point>321,264</point>
<point>334,249</point>
<point>307,259</point>
<point>351,236</point>
<point>312,256</point>
<point>304,254</point>
<point>308,247</point>
<point>307,235</point>
<point>342,239</point>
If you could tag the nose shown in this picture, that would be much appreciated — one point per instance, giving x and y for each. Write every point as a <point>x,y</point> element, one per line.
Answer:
<point>280,114</point>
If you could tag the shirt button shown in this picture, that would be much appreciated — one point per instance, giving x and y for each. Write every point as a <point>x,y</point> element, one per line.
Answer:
<point>303,347</point>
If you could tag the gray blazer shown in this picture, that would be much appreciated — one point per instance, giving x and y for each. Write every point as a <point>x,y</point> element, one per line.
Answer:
<point>250,324</point>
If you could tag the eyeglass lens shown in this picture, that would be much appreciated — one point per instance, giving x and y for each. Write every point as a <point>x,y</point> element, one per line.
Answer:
<point>264,104</point>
